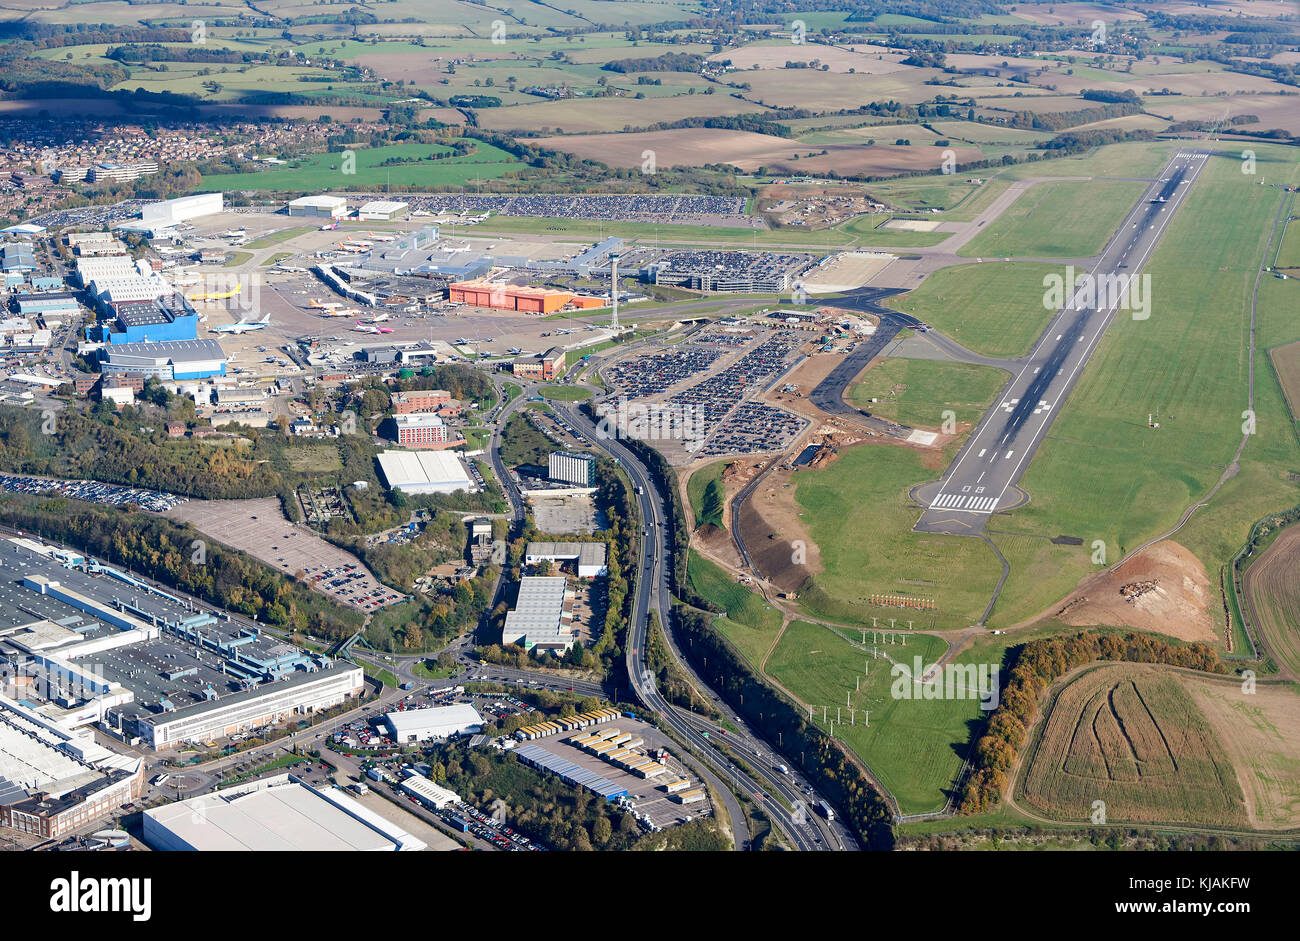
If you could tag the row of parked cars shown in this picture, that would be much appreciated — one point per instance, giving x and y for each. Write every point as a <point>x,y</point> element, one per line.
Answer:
<point>92,491</point>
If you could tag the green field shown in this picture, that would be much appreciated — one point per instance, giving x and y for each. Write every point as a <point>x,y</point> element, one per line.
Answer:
<point>276,238</point>
<point>699,481</point>
<point>325,171</point>
<point>751,623</point>
<point>912,745</point>
<point>565,393</point>
<point>866,230</point>
<point>994,308</point>
<point>858,512</point>
<point>917,392</point>
<point>1289,254</point>
<point>952,194</point>
<point>1057,220</point>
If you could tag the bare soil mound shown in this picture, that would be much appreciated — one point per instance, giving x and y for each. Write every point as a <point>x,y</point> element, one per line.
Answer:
<point>1163,589</point>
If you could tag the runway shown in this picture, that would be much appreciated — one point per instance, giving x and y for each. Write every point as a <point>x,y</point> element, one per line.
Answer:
<point>982,480</point>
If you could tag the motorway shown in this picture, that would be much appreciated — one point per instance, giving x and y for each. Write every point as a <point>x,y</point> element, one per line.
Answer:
<point>653,594</point>
<point>982,480</point>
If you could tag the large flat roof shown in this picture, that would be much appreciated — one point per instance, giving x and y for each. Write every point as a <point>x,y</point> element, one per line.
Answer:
<point>286,816</point>
<point>539,608</point>
<point>416,720</point>
<point>324,202</point>
<point>587,553</point>
<point>423,469</point>
<point>175,351</point>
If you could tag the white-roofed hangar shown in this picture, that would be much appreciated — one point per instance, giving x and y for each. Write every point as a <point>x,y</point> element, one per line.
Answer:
<point>383,210</point>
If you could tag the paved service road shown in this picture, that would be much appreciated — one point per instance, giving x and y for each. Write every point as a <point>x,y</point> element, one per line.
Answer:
<point>983,478</point>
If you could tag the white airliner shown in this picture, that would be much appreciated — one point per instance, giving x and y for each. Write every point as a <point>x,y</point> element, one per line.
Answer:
<point>243,326</point>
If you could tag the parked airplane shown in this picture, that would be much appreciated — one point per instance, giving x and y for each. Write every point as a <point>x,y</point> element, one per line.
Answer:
<point>370,328</point>
<point>378,318</point>
<point>331,305</point>
<point>244,326</point>
<point>514,351</point>
<point>462,341</point>
<point>382,237</point>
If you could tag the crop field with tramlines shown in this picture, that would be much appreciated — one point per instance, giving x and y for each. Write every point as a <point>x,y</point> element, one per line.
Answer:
<point>1273,598</point>
<point>1132,737</point>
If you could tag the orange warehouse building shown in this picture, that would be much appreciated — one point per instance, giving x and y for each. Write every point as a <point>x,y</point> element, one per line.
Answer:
<point>509,297</point>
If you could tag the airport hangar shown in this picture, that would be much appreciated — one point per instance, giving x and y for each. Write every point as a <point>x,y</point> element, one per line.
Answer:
<point>93,645</point>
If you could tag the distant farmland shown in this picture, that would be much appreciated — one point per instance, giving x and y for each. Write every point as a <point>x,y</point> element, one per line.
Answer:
<point>414,168</point>
<point>694,147</point>
<point>1131,736</point>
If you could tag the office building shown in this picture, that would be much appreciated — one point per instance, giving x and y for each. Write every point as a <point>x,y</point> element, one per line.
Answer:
<point>573,468</point>
<point>547,366</point>
<point>405,403</point>
<point>418,428</point>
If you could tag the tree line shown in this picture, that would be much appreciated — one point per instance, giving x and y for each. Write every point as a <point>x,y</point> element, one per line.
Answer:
<point>167,552</point>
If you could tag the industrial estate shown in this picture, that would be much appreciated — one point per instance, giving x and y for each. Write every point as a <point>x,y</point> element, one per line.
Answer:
<point>691,427</point>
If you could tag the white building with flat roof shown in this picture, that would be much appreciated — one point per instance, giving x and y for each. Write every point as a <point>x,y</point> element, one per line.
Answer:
<point>428,793</point>
<point>541,617</point>
<point>278,814</point>
<point>420,725</point>
<point>424,471</point>
<point>589,557</point>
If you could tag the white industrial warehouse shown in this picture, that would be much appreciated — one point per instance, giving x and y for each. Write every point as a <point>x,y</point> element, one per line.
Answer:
<point>589,557</point>
<point>421,725</point>
<point>424,471</point>
<point>281,813</point>
<point>542,616</point>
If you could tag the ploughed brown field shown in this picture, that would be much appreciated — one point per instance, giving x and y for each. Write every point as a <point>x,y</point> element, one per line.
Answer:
<point>693,147</point>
